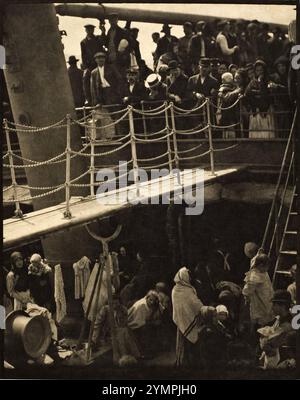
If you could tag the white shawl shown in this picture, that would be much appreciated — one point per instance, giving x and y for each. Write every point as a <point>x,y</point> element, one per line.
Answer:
<point>186,305</point>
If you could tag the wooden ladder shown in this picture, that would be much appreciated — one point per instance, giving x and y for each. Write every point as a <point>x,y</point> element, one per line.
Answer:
<point>288,246</point>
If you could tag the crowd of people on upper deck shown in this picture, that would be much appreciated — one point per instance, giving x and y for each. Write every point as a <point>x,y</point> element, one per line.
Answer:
<point>223,60</point>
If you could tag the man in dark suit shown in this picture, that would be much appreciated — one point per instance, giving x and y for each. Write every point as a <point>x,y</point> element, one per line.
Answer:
<point>118,44</point>
<point>75,75</point>
<point>105,85</point>
<point>202,85</point>
<point>134,90</point>
<point>90,45</point>
<point>176,82</point>
<point>166,43</point>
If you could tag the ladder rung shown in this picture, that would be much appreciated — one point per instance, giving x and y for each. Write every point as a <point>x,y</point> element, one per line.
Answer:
<point>289,252</point>
<point>284,273</point>
<point>293,213</point>
<point>291,232</point>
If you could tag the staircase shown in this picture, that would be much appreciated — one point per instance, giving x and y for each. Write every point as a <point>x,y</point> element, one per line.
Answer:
<point>280,238</point>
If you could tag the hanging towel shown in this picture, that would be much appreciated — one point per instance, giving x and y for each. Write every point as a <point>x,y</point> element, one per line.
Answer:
<point>82,275</point>
<point>59,294</point>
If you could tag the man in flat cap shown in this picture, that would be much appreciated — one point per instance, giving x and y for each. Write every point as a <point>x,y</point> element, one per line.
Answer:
<point>165,44</point>
<point>184,46</point>
<point>90,45</point>
<point>105,84</point>
<point>76,76</point>
<point>202,85</point>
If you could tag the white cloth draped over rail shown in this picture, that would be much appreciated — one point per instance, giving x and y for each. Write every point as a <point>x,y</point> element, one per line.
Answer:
<point>59,294</point>
<point>103,296</point>
<point>82,274</point>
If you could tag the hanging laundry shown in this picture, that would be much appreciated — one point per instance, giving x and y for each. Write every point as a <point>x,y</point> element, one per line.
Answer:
<point>59,294</point>
<point>82,275</point>
<point>101,287</point>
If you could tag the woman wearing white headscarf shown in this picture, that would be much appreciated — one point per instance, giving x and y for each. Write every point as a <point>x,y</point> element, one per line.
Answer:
<point>188,315</point>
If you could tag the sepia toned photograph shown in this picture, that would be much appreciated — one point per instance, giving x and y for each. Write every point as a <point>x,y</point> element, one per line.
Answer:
<point>150,191</point>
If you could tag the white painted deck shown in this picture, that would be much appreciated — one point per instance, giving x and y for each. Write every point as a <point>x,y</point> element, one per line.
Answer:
<point>39,224</point>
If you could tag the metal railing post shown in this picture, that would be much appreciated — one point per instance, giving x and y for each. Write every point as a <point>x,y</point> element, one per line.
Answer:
<point>133,150</point>
<point>168,137</point>
<point>211,149</point>
<point>144,119</point>
<point>18,211</point>
<point>92,158</point>
<point>241,117</point>
<point>84,121</point>
<point>174,135</point>
<point>67,213</point>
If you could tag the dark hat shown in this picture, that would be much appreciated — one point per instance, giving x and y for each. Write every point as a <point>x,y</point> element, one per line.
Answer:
<point>72,60</point>
<point>249,66</point>
<point>173,64</point>
<point>198,23</point>
<point>222,23</point>
<point>132,70</point>
<point>260,260</point>
<point>205,62</point>
<point>89,26</point>
<point>134,29</point>
<point>166,28</point>
<point>113,14</point>
<point>260,62</point>
<point>214,61</point>
<point>282,296</point>
<point>188,24</point>
<point>152,80</point>
<point>101,53</point>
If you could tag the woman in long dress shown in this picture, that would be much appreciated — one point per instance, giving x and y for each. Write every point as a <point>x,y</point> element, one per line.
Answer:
<point>17,282</point>
<point>188,313</point>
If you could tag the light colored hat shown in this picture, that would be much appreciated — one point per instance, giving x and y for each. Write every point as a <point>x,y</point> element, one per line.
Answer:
<point>250,249</point>
<point>227,77</point>
<point>152,80</point>
<point>221,309</point>
<point>35,258</point>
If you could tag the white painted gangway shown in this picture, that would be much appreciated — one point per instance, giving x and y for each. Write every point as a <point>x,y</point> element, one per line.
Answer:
<point>83,210</point>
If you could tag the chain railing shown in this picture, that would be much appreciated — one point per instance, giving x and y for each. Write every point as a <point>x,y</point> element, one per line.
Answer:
<point>168,112</point>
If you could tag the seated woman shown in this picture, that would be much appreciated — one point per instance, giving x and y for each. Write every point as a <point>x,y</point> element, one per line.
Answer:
<point>143,318</point>
<point>278,342</point>
<point>126,344</point>
<point>17,282</point>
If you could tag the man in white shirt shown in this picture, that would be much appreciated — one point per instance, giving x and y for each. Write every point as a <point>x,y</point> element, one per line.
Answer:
<point>225,51</point>
<point>104,82</point>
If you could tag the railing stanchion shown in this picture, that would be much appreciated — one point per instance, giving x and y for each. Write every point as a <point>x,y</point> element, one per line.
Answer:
<point>168,137</point>
<point>84,121</point>
<point>174,135</point>
<point>241,118</point>
<point>67,213</point>
<point>144,119</point>
<point>92,158</point>
<point>18,211</point>
<point>211,149</point>
<point>133,150</point>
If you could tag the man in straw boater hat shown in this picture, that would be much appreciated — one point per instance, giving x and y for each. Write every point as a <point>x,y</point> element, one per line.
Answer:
<point>156,89</point>
<point>76,76</point>
<point>90,45</point>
